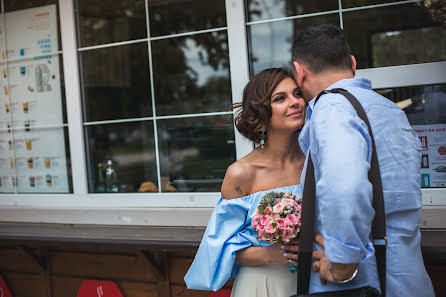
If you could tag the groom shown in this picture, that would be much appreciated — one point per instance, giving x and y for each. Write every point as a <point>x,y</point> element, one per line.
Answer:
<point>340,147</point>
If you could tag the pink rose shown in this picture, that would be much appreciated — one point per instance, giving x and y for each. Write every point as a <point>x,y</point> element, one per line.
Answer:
<point>292,219</point>
<point>265,220</point>
<point>282,223</point>
<point>275,216</point>
<point>298,207</point>
<point>268,210</point>
<point>287,201</point>
<point>262,235</point>
<point>278,208</point>
<point>260,227</point>
<point>270,229</point>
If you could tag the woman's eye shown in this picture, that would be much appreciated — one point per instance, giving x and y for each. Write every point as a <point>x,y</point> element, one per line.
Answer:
<point>279,98</point>
<point>297,94</point>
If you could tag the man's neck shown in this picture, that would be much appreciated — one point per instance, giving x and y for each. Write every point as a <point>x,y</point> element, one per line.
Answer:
<point>322,81</point>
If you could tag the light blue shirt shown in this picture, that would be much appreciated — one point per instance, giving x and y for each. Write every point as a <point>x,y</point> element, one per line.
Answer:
<point>340,147</point>
<point>228,231</point>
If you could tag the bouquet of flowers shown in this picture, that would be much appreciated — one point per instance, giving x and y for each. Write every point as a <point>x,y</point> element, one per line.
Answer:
<point>277,218</point>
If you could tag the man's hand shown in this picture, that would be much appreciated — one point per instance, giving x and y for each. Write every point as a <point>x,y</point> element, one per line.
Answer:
<point>339,272</point>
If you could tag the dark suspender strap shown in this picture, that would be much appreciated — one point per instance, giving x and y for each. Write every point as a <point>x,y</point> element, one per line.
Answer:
<point>378,224</point>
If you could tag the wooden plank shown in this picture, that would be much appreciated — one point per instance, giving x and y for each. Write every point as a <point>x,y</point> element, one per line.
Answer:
<point>103,266</point>
<point>12,259</point>
<point>23,285</point>
<point>182,291</point>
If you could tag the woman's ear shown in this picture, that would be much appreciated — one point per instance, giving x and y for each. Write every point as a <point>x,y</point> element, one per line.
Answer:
<point>353,65</point>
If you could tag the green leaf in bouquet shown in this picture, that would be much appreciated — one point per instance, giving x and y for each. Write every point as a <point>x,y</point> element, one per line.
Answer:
<point>261,209</point>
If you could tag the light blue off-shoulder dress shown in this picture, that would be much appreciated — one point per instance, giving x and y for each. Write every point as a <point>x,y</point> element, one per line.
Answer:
<point>228,231</point>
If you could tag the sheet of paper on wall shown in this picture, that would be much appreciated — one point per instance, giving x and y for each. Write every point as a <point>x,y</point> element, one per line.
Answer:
<point>433,156</point>
<point>33,153</point>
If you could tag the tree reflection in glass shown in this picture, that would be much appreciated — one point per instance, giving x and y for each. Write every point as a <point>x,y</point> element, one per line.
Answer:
<point>191,74</point>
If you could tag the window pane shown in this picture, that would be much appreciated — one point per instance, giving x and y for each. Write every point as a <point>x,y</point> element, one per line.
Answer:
<point>106,21</point>
<point>130,147</point>
<point>34,154</point>
<point>258,10</point>
<point>270,43</point>
<point>191,74</point>
<point>376,35</point>
<point>358,3</point>
<point>425,107</point>
<point>116,82</point>
<point>195,153</point>
<point>178,16</point>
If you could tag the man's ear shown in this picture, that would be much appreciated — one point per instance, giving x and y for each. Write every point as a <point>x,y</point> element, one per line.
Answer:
<point>300,72</point>
<point>353,65</point>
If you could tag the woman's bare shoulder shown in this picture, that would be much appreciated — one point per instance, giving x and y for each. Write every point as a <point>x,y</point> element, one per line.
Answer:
<point>238,180</point>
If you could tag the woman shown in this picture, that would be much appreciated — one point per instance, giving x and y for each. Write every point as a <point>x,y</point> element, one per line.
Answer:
<point>272,111</point>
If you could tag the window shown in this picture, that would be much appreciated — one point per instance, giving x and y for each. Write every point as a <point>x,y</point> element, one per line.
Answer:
<point>156,91</point>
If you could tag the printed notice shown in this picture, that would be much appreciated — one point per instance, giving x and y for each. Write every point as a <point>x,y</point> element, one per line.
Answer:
<point>433,156</point>
<point>32,146</point>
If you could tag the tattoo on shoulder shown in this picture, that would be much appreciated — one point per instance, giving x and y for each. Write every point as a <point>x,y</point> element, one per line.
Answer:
<point>238,189</point>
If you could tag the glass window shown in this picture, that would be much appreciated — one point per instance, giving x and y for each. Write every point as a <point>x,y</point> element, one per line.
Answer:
<point>131,149</point>
<point>425,107</point>
<point>116,82</point>
<point>258,10</point>
<point>195,153</point>
<point>179,16</point>
<point>101,22</point>
<point>270,43</point>
<point>376,35</point>
<point>34,154</point>
<point>191,74</point>
<point>359,3</point>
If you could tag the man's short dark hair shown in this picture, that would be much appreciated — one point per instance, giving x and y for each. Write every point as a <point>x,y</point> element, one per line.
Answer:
<point>322,47</point>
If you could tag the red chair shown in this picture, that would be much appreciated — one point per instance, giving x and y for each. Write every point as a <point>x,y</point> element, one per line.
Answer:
<point>221,293</point>
<point>96,288</point>
<point>4,291</point>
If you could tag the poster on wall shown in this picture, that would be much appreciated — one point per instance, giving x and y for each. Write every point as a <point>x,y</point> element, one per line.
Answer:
<point>433,156</point>
<point>32,155</point>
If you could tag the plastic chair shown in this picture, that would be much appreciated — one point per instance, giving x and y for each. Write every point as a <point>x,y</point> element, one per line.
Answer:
<point>221,293</point>
<point>4,291</point>
<point>98,288</point>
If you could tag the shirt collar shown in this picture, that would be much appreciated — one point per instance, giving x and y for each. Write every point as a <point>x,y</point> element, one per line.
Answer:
<point>342,84</point>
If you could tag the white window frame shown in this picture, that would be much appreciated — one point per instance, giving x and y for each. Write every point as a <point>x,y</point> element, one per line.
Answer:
<point>170,209</point>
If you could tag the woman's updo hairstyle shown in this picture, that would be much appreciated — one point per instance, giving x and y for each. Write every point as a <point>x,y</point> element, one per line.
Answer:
<point>255,109</point>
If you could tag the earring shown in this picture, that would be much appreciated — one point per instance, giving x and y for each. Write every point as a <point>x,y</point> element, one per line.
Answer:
<point>262,142</point>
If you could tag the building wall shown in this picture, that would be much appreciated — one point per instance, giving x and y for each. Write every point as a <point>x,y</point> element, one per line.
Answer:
<point>128,268</point>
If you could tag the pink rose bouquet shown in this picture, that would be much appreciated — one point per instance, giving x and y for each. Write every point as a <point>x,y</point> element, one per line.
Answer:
<point>277,218</point>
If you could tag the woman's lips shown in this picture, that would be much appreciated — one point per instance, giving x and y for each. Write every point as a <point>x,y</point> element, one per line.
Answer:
<point>295,114</point>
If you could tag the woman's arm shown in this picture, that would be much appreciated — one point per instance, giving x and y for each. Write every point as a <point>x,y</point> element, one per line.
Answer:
<point>274,254</point>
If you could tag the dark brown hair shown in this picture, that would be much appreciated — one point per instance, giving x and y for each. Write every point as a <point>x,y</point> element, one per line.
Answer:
<point>255,109</point>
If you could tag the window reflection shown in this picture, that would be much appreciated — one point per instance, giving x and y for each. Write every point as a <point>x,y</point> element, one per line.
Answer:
<point>257,10</point>
<point>106,21</point>
<point>425,107</point>
<point>376,35</point>
<point>270,43</point>
<point>130,147</point>
<point>116,82</point>
<point>178,16</point>
<point>195,152</point>
<point>191,74</point>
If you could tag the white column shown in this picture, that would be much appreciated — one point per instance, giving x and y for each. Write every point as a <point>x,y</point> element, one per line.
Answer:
<point>73,97</point>
<point>238,61</point>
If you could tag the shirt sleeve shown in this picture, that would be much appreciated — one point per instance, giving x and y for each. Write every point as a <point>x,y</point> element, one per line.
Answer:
<point>228,231</point>
<point>341,152</point>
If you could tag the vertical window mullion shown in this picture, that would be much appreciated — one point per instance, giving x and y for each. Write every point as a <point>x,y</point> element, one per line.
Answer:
<point>152,90</point>
<point>238,61</point>
<point>73,97</point>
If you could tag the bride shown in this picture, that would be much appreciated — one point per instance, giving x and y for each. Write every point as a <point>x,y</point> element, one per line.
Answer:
<point>271,113</point>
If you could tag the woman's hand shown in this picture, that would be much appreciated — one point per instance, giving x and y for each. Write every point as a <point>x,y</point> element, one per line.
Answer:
<point>291,251</point>
<point>274,254</point>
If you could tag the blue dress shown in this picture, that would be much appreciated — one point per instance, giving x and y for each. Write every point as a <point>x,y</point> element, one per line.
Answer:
<point>228,231</point>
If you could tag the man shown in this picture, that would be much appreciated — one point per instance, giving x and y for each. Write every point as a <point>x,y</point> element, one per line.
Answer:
<point>340,147</point>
